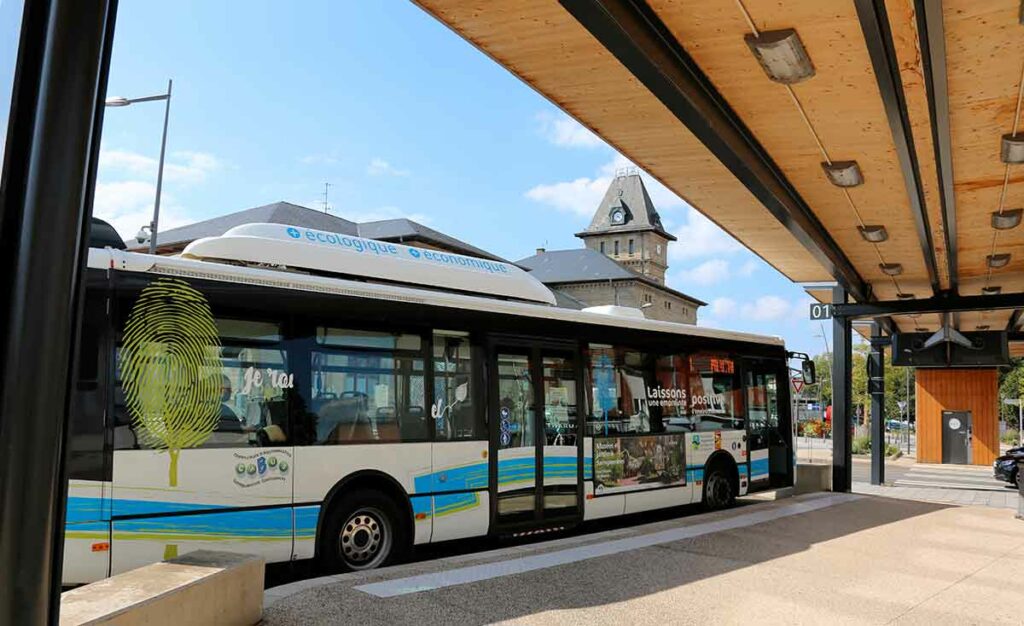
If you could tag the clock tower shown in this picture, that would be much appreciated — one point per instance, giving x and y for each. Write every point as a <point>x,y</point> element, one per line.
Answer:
<point>627,228</point>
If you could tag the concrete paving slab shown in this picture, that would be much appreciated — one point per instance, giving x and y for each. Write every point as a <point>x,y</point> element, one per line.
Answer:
<point>870,560</point>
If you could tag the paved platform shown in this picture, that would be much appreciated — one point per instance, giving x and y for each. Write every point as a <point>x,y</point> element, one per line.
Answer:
<point>946,484</point>
<point>820,558</point>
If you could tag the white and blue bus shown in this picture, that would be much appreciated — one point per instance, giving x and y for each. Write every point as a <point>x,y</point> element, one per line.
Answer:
<point>298,394</point>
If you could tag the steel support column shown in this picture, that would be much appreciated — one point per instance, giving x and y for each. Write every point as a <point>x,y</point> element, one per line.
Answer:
<point>45,201</point>
<point>842,369</point>
<point>876,385</point>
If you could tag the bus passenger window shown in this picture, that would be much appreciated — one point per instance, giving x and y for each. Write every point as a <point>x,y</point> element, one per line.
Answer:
<point>455,417</point>
<point>367,387</point>
<point>251,377</point>
<point>716,398</point>
<point>617,391</point>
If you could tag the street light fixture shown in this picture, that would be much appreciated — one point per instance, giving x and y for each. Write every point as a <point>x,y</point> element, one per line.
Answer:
<point>123,102</point>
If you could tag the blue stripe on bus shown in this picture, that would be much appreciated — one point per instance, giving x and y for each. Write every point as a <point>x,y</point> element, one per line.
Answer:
<point>758,468</point>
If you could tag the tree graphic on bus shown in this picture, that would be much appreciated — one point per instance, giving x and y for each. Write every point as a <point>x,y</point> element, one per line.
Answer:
<point>171,369</point>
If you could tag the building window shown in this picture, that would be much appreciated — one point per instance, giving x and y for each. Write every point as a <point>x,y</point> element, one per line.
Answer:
<point>602,247</point>
<point>668,305</point>
<point>616,247</point>
<point>630,247</point>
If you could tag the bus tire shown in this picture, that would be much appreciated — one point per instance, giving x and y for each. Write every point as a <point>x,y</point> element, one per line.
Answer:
<point>363,531</point>
<point>719,491</point>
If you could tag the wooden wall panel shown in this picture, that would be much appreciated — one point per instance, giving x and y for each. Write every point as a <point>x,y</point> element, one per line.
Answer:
<point>974,390</point>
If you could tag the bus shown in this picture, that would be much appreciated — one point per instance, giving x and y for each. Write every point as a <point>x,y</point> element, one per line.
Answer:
<point>300,394</point>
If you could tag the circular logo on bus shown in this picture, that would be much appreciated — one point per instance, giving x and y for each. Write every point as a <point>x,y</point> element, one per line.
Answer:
<point>293,233</point>
<point>414,253</point>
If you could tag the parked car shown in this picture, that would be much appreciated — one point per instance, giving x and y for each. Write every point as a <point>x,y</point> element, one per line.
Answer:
<point>1005,467</point>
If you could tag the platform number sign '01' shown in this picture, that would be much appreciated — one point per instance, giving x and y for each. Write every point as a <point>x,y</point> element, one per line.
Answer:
<point>821,311</point>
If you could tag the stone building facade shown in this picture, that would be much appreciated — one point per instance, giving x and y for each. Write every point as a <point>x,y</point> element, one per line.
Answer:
<point>623,261</point>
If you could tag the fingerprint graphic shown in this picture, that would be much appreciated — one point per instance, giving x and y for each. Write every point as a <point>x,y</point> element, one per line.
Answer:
<point>171,369</point>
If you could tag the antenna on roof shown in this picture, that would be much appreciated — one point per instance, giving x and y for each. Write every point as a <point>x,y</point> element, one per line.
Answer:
<point>326,204</point>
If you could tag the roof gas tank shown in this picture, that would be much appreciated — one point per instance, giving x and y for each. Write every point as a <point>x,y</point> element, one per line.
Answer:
<point>304,248</point>
<point>616,311</point>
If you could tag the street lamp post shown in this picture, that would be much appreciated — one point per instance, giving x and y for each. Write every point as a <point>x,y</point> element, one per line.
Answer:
<point>166,97</point>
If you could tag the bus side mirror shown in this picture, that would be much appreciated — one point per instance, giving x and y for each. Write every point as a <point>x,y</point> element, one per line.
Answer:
<point>810,376</point>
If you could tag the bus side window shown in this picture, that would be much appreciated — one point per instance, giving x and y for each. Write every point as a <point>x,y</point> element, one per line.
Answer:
<point>454,414</point>
<point>367,387</point>
<point>86,436</point>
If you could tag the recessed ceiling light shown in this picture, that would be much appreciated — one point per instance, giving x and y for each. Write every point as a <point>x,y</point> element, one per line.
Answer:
<point>921,330</point>
<point>843,173</point>
<point>991,291</point>
<point>782,55</point>
<point>905,296</point>
<point>1007,219</point>
<point>996,261</point>
<point>913,316</point>
<point>1012,150</point>
<point>982,327</point>
<point>892,269</point>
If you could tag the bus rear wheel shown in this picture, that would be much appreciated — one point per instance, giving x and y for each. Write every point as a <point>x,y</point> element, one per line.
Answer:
<point>718,489</point>
<point>363,532</point>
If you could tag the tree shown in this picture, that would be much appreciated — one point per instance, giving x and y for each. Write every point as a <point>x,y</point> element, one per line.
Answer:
<point>1011,385</point>
<point>171,369</point>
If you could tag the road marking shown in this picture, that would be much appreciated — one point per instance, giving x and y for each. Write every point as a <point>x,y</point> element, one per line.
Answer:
<point>487,571</point>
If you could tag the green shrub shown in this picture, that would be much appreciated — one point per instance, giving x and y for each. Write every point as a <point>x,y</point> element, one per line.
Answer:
<point>1010,437</point>
<point>862,445</point>
<point>891,449</point>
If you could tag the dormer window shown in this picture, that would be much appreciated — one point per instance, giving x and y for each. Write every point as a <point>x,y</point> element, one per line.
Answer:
<point>618,216</point>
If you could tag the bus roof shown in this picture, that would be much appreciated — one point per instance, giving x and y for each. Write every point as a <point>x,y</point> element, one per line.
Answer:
<point>297,247</point>
<point>118,260</point>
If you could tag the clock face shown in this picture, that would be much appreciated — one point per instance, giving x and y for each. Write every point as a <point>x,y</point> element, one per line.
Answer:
<point>618,216</point>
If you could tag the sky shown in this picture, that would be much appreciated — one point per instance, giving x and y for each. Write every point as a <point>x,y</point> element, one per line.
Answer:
<point>404,119</point>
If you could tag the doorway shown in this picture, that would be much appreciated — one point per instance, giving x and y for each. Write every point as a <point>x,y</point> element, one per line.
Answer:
<point>535,440</point>
<point>956,437</point>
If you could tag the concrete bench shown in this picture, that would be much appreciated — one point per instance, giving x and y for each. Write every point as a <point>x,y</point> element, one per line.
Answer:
<point>202,587</point>
<point>811,477</point>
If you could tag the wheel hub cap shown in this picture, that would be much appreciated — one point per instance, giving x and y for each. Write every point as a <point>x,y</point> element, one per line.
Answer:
<point>361,537</point>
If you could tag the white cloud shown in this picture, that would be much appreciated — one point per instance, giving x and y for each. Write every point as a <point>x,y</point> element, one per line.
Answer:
<point>127,205</point>
<point>707,273</point>
<point>182,166</point>
<point>582,196</point>
<point>562,130</point>
<point>700,237</point>
<point>722,307</point>
<point>747,269</point>
<point>766,309</point>
<point>380,167</point>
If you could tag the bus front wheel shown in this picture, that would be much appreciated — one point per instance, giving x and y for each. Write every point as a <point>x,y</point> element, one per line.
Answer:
<point>718,488</point>
<point>363,532</point>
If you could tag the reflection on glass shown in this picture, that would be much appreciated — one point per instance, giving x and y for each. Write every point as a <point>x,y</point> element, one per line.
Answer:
<point>515,402</point>
<point>559,402</point>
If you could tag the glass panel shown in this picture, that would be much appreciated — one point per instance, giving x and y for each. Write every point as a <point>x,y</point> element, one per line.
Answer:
<point>559,402</point>
<point>716,400</point>
<point>10,31</point>
<point>455,416</point>
<point>365,397</point>
<point>515,402</point>
<point>253,405</point>
<point>367,339</point>
<point>762,394</point>
<point>248,330</point>
<point>618,391</point>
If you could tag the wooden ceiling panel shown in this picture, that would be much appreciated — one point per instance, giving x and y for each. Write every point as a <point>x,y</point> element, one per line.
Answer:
<point>843,105</point>
<point>538,41</point>
<point>984,53</point>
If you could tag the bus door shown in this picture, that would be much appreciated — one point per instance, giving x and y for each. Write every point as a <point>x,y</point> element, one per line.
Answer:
<point>767,424</point>
<point>535,439</point>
